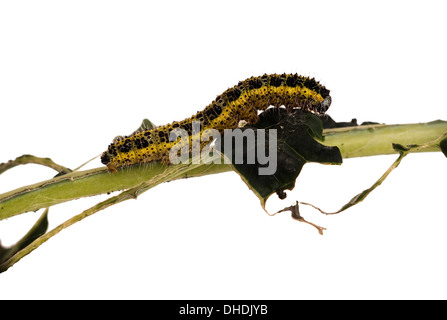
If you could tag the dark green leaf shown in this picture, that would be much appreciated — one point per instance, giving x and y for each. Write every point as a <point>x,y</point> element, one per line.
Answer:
<point>443,146</point>
<point>38,229</point>
<point>295,147</point>
<point>315,125</point>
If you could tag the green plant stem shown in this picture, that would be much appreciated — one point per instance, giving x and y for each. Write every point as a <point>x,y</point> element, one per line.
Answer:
<point>353,142</point>
<point>364,141</point>
<point>130,193</point>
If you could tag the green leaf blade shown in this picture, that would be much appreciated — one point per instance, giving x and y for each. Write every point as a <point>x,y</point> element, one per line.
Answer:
<point>296,145</point>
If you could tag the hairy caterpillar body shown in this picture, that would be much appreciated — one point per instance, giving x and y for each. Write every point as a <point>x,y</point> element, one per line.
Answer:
<point>241,102</point>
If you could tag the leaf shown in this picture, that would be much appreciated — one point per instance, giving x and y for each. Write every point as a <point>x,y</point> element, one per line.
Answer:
<point>145,125</point>
<point>443,146</point>
<point>403,151</point>
<point>37,230</point>
<point>295,146</point>
<point>27,158</point>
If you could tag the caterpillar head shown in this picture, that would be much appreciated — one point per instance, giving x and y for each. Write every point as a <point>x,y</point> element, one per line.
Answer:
<point>324,105</point>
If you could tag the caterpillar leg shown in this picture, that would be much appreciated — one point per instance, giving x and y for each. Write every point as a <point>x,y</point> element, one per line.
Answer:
<point>112,168</point>
<point>165,160</point>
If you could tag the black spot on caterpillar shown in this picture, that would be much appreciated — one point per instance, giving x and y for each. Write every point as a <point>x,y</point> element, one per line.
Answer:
<point>241,102</point>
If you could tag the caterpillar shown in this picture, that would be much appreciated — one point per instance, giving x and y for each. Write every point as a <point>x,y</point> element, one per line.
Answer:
<point>242,102</point>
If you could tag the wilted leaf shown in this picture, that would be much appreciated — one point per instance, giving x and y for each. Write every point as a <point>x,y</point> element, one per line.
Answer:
<point>295,146</point>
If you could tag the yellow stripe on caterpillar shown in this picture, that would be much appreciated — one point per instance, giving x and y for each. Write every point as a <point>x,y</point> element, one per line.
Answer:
<point>242,102</point>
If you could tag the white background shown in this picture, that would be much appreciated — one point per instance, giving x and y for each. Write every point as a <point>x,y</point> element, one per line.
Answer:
<point>74,74</point>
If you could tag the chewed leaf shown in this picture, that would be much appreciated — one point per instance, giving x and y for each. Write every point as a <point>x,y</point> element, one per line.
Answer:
<point>315,125</point>
<point>294,145</point>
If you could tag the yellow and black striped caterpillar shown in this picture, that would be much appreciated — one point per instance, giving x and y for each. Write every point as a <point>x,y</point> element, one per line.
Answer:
<point>242,102</point>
